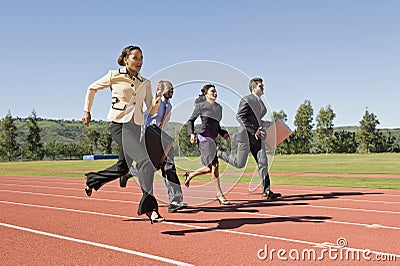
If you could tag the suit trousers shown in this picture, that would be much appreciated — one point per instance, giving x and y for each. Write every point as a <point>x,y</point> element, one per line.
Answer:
<point>96,180</point>
<point>171,179</point>
<point>127,135</point>
<point>257,149</point>
<point>239,159</point>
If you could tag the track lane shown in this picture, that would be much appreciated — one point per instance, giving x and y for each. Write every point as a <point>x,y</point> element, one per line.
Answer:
<point>209,221</point>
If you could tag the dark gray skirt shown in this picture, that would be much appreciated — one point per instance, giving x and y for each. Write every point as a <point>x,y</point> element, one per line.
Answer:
<point>208,151</point>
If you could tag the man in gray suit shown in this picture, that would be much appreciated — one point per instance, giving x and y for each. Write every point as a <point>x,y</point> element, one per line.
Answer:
<point>251,134</point>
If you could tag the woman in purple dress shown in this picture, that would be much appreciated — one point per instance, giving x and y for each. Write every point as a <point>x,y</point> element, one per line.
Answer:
<point>210,113</point>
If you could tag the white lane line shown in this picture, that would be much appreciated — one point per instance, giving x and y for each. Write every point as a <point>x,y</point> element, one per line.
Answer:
<point>124,191</point>
<point>86,197</point>
<point>311,220</point>
<point>63,181</point>
<point>163,189</point>
<point>125,201</point>
<point>243,186</point>
<point>118,191</point>
<point>198,227</point>
<point>370,201</point>
<point>327,221</point>
<point>352,209</point>
<point>137,253</point>
<point>70,210</point>
<point>369,191</point>
<point>250,213</point>
<point>65,196</point>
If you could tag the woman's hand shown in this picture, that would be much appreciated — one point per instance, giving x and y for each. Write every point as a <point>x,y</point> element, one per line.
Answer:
<point>226,136</point>
<point>192,138</point>
<point>86,118</point>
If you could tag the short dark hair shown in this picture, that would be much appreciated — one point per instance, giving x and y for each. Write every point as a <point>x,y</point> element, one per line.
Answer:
<point>204,90</point>
<point>253,83</point>
<point>126,52</point>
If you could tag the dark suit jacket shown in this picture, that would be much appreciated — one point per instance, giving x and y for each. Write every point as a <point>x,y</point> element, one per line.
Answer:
<point>210,116</point>
<point>251,110</point>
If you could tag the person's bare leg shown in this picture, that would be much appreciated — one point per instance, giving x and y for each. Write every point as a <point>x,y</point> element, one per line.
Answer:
<point>215,177</point>
<point>201,171</point>
<point>220,195</point>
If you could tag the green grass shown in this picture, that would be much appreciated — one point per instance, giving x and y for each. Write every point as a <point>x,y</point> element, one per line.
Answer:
<point>387,163</point>
<point>381,183</point>
<point>378,163</point>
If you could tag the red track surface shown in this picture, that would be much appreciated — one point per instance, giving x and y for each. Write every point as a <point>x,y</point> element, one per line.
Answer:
<point>46,220</point>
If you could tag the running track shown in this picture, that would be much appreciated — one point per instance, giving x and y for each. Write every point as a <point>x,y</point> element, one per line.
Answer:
<point>50,221</point>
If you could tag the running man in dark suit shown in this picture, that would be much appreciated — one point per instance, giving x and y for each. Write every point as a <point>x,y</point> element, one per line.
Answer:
<point>250,136</point>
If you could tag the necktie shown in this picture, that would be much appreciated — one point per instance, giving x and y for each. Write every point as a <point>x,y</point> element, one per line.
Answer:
<point>166,113</point>
<point>262,110</point>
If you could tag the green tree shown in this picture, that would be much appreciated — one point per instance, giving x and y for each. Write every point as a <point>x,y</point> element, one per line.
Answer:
<point>187,148</point>
<point>92,135</point>
<point>393,144</point>
<point>344,142</point>
<point>33,148</point>
<point>303,134</point>
<point>53,148</point>
<point>366,135</point>
<point>284,147</point>
<point>87,147</point>
<point>385,142</point>
<point>104,141</point>
<point>224,144</point>
<point>279,115</point>
<point>324,127</point>
<point>9,148</point>
<point>71,150</point>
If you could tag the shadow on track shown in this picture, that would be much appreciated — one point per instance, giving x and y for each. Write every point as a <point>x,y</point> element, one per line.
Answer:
<point>233,223</point>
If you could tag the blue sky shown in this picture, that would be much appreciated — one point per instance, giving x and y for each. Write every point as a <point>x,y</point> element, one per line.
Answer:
<point>340,52</point>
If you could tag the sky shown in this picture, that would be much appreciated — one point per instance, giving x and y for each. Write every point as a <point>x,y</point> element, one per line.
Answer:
<point>343,53</point>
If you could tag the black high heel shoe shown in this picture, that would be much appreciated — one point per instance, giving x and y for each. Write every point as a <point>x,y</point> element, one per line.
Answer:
<point>154,217</point>
<point>88,191</point>
<point>222,200</point>
<point>186,175</point>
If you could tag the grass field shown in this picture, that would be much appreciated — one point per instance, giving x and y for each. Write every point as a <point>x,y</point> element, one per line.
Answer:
<point>384,163</point>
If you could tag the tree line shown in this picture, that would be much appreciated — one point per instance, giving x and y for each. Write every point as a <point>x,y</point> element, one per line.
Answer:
<point>320,137</point>
<point>305,139</point>
<point>325,139</point>
<point>32,148</point>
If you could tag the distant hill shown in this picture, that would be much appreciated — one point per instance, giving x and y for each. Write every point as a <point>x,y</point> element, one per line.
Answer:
<point>66,131</point>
